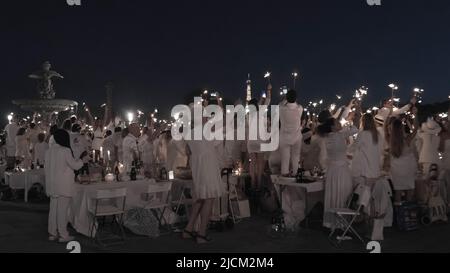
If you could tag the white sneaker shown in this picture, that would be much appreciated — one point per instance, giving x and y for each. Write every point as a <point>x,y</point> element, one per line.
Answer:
<point>52,238</point>
<point>67,239</point>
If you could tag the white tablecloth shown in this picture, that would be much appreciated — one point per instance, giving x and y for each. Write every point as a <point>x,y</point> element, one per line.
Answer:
<point>25,180</point>
<point>80,217</point>
<point>298,199</point>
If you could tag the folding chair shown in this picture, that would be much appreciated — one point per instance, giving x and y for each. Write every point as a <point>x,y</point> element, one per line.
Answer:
<point>183,199</point>
<point>364,195</point>
<point>108,202</point>
<point>157,199</point>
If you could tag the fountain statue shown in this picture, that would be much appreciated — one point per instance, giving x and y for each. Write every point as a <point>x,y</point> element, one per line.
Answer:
<point>46,105</point>
<point>45,84</point>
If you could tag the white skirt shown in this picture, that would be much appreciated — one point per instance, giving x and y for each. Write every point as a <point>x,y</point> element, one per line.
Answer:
<point>403,172</point>
<point>338,188</point>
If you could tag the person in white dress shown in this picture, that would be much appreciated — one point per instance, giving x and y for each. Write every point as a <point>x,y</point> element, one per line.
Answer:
<point>403,168</point>
<point>290,133</point>
<point>11,130</point>
<point>60,181</point>
<point>117,153</point>
<point>22,148</point>
<point>367,152</point>
<point>338,180</point>
<point>40,149</point>
<point>176,155</point>
<point>207,185</point>
<point>32,135</point>
<point>130,147</point>
<point>256,156</point>
<point>78,142</point>
<point>430,140</point>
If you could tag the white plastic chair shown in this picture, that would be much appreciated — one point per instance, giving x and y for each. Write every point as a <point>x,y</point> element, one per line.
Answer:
<point>108,202</point>
<point>157,199</point>
<point>343,214</point>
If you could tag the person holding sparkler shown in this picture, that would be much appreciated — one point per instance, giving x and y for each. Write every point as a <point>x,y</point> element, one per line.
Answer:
<point>403,164</point>
<point>429,135</point>
<point>367,152</point>
<point>338,180</point>
<point>257,158</point>
<point>290,133</point>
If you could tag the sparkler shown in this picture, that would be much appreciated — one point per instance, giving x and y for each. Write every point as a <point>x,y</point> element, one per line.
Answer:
<point>267,76</point>
<point>394,88</point>
<point>418,94</point>
<point>360,93</point>
<point>339,97</point>
<point>332,107</point>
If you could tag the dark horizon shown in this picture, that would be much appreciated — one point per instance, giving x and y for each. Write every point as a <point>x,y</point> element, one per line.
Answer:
<point>158,53</point>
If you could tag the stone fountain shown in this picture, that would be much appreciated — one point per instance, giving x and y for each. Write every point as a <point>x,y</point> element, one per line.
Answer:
<point>47,106</point>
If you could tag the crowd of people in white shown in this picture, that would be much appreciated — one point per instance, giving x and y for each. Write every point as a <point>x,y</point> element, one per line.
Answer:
<point>348,144</point>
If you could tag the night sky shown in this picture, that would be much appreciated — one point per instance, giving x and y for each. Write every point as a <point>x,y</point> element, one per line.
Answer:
<point>158,52</point>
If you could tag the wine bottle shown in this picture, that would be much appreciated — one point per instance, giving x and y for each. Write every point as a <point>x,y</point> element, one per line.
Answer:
<point>300,171</point>
<point>133,173</point>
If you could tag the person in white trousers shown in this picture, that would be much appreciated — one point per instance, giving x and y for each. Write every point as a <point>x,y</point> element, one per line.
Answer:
<point>60,181</point>
<point>290,133</point>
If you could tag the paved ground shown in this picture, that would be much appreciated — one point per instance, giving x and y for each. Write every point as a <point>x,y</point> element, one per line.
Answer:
<point>23,229</point>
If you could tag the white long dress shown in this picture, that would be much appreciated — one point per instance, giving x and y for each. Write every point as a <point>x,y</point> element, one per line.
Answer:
<point>207,182</point>
<point>338,182</point>
<point>404,170</point>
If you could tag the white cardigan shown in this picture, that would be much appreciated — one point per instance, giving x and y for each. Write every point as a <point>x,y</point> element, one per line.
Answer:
<point>367,155</point>
<point>59,175</point>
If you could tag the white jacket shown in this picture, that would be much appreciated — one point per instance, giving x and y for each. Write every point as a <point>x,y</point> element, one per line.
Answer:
<point>59,167</point>
<point>367,155</point>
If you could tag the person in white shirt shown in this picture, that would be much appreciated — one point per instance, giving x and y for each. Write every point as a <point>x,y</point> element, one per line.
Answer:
<point>60,181</point>
<point>290,133</point>
<point>108,146</point>
<point>367,151</point>
<point>429,135</point>
<point>117,154</point>
<point>40,149</point>
<point>97,141</point>
<point>130,146</point>
<point>78,142</point>
<point>32,135</point>
<point>11,132</point>
<point>22,148</point>
<point>389,110</point>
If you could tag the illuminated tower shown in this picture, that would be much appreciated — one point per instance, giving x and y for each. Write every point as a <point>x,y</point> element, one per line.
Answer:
<point>249,89</point>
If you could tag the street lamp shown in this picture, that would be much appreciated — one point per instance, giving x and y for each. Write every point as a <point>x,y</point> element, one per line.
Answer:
<point>394,88</point>
<point>267,76</point>
<point>130,117</point>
